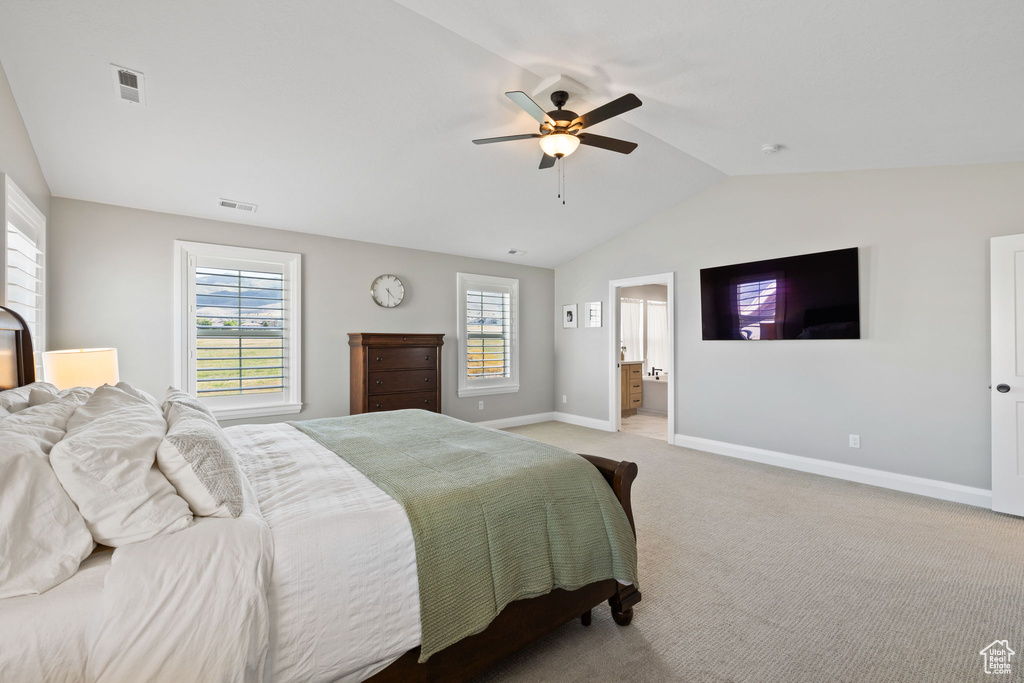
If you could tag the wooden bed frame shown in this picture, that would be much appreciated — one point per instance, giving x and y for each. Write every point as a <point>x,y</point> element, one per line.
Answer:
<point>518,625</point>
<point>17,365</point>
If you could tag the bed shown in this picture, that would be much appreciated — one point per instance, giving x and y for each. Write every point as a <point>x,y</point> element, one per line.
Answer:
<point>317,579</point>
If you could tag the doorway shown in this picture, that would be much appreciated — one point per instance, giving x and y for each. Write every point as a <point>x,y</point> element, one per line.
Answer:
<point>641,379</point>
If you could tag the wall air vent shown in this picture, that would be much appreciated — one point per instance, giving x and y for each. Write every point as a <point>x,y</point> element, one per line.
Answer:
<point>128,85</point>
<point>241,206</point>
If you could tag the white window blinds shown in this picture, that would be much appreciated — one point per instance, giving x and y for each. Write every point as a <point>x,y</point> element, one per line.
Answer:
<point>632,327</point>
<point>239,333</point>
<point>755,304</point>
<point>657,335</point>
<point>24,264</point>
<point>488,334</point>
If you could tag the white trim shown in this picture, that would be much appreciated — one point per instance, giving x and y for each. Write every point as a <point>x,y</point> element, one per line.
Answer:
<point>488,386</point>
<point>614,395</point>
<point>256,411</point>
<point>506,422</point>
<point>579,420</point>
<point>932,488</point>
<point>19,212</point>
<point>289,264</point>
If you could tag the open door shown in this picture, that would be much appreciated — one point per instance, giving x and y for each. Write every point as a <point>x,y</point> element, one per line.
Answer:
<point>1007,272</point>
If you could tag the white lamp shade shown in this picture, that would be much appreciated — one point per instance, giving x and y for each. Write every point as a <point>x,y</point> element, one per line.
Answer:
<point>559,144</point>
<point>80,367</point>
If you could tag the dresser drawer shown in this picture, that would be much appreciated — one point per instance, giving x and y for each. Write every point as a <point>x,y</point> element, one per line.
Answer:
<point>635,371</point>
<point>427,400</point>
<point>382,358</point>
<point>635,401</point>
<point>390,381</point>
<point>636,386</point>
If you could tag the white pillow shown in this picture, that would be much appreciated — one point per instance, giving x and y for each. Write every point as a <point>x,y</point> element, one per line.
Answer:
<point>16,399</point>
<point>138,393</point>
<point>4,412</point>
<point>198,459</point>
<point>175,397</point>
<point>46,423</point>
<point>43,538</point>
<point>107,464</point>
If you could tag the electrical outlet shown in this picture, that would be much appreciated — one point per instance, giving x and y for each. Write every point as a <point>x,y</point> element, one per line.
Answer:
<point>854,440</point>
<point>481,406</point>
<point>565,399</point>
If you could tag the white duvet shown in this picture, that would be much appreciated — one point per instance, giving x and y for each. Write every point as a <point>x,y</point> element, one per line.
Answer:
<point>315,581</point>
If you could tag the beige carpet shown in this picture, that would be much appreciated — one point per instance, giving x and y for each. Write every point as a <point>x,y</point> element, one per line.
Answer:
<point>754,573</point>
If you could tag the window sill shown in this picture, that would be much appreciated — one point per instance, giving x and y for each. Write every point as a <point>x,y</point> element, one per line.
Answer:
<point>487,391</point>
<point>242,412</point>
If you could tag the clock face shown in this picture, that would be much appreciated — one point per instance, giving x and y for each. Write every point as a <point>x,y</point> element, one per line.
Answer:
<point>387,291</point>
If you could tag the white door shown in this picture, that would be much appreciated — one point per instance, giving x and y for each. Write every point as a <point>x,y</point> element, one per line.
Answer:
<point>1008,374</point>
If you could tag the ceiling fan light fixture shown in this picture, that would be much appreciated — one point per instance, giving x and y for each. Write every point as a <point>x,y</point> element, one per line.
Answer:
<point>559,145</point>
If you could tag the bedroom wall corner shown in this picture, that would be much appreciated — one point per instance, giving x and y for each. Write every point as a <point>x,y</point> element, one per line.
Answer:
<point>111,284</point>
<point>915,387</point>
<point>17,155</point>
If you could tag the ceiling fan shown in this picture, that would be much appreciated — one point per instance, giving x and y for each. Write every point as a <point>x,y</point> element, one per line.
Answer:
<point>562,131</point>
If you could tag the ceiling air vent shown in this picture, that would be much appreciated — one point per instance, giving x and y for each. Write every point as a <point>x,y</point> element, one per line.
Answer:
<point>241,206</point>
<point>129,85</point>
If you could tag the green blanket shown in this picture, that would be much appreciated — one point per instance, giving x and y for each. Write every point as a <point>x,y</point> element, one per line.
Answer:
<point>496,517</point>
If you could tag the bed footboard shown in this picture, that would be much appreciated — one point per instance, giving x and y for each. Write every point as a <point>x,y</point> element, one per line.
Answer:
<point>524,621</point>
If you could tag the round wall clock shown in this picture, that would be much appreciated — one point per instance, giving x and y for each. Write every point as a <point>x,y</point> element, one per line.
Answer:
<point>387,291</point>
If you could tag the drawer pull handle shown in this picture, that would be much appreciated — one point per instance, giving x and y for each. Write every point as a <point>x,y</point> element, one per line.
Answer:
<point>426,357</point>
<point>426,400</point>
<point>379,358</point>
<point>379,405</point>
<point>426,379</point>
<point>380,381</point>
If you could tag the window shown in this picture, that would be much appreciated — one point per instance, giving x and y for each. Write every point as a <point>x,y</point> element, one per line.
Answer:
<point>22,287</point>
<point>755,305</point>
<point>631,311</point>
<point>238,329</point>
<point>657,335</point>
<point>488,335</point>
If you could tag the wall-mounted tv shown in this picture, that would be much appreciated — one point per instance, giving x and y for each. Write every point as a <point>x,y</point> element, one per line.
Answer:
<point>813,296</point>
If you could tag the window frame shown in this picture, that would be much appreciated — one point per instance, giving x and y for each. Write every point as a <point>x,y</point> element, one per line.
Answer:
<point>17,202</point>
<point>186,257</point>
<point>487,386</point>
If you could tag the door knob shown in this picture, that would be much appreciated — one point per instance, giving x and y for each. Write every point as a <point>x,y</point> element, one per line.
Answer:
<point>1002,388</point>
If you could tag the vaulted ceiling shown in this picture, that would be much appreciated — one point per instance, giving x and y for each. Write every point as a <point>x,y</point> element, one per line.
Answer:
<point>354,119</point>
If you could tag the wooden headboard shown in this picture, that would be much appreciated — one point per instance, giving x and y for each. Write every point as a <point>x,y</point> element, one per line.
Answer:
<point>17,364</point>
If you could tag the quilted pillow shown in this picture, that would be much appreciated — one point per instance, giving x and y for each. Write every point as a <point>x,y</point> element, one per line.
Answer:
<point>198,459</point>
<point>107,464</point>
<point>43,538</point>
<point>177,397</point>
<point>16,399</point>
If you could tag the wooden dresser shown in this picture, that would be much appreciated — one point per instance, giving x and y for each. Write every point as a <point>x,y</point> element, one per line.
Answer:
<point>394,372</point>
<point>632,386</point>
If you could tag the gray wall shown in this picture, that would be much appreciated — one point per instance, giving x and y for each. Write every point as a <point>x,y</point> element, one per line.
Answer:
<point>17,157</point>
<point>915,388</point>
<point>111,284</point>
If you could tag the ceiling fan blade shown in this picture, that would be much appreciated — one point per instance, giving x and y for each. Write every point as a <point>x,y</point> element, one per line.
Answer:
<point>607,111</point>
<point>613,144</point>
<point>506,138</point>
<point>529,106</point>
<point>546,161</point>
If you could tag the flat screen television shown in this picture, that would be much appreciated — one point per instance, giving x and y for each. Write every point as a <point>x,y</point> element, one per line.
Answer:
<point>813,296</point>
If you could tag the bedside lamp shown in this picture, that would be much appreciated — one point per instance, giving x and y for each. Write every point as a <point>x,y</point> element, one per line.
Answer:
<point>80,367</point>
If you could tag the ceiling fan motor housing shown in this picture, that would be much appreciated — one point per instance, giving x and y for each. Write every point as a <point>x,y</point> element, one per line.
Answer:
<point>563,118</point>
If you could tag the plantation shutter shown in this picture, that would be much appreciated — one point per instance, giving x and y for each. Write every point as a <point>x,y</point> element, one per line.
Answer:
<point>240,327</point>
<point>755,303</point>
<point>489,332</point>
<point>24,259</point>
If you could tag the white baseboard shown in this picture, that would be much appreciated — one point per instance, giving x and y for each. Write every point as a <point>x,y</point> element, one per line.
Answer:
<point>579,420</point>
<point>655,413</point>
<point>518,421</point>
<point>863,475</point>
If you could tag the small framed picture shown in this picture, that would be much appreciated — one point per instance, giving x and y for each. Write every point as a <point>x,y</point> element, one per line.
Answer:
<point>592,314</point>
<point>569,316</point>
